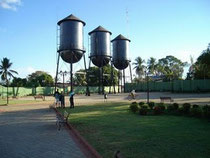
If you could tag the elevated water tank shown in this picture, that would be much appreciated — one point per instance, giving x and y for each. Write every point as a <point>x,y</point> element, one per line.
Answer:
<point>71,39</point>
<point>100,46</point>
<point>120,52</point>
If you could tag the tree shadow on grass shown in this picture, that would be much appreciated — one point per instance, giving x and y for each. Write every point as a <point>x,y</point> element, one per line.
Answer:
<point>3,105</point>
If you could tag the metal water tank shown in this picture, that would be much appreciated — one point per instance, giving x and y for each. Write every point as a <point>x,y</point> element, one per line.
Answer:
<point>120,50</point>
<point>71,46</point>
<point>100,46</point>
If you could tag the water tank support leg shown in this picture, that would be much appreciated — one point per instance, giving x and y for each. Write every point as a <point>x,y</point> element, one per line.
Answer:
<point>121,79</point>
<point>130,72</point>
<point>124,80</point>
<point>99,81</point>
<point>111,84</point>
<point>102,79</point>
<point>56,76</point>
<point>87,77</point>
<point>118,81</point>
<point>71,76</point>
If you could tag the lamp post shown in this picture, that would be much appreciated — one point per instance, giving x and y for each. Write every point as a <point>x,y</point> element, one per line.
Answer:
<point>147,80</point>
<point>63,73</point>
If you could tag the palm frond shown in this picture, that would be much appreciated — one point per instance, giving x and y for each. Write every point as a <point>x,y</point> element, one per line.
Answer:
<point>13,71</point>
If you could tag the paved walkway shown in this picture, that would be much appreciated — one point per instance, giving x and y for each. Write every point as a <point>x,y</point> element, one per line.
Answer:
<point>32,133</point>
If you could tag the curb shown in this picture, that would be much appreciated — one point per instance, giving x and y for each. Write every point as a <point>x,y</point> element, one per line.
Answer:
<point>87,149</point>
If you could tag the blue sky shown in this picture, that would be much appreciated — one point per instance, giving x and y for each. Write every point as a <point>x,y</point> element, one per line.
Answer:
<point>156,28</point>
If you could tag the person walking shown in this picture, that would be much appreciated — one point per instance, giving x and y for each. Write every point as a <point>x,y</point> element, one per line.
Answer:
<point>57,98</point>
<point>71,99</point>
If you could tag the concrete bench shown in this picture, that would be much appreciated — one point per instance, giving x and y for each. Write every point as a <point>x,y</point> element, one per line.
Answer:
<point>62,119</point>
<point>39,97</point>
<point>162,99</point>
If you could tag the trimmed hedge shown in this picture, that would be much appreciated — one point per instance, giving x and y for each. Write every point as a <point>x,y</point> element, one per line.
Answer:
<point>174,109</point>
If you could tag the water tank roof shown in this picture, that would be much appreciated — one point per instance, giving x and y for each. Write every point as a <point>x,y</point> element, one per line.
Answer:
<point>120,37</point>
<point>70,18</point>
<point>99,29</point>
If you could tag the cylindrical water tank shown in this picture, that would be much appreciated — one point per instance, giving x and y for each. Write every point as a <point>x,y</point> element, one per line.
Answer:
<point>120,50</point>
<point>100,46</point>
<point>71,46</point>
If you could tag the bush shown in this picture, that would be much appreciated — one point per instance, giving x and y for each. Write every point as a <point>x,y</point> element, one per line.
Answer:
<point>157,110</point>
<point>162,107</point>
<point>180,111</point>
<point>195,106</point>
<point>186,108</point>
<point>134,107</point>
<point>141,103</point>
<point>170,108</point>
<point>151,105</point>
<point>176,106</point>
<point>143,110</point>
<point>196,111</point>
<point>160,104</point>
<point>206,111</point>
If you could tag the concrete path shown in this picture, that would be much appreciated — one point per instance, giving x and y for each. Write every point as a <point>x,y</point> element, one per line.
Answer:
<point>32,133</point>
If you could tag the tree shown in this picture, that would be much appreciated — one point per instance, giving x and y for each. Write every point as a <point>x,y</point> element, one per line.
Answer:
<point>170,68</point>
<point>191,71</point>
<point>6,71</point>
<point>139,67</point>
<point>40,78</point>
<point>202,65</point>
<point>79,78</point>
<point>18,82</point>
<point>93,73</point>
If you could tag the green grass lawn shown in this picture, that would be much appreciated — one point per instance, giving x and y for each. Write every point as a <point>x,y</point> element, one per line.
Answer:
<point>111,126</point>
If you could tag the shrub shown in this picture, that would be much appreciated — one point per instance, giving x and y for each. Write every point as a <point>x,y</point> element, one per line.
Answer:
<point>180,111</point>
<point>176,106</point>
<point>162,107</point>
<point>134,107</point>
<point>186,108</point>
<point>160,104</point>
<point>151,105</point>
<point>141,103</point>
<point>170,108</point>
<point>195,106</point>
<point>143,110</point>
<point>206,111</point>
<point>157,110</point>
<point>196,111</point>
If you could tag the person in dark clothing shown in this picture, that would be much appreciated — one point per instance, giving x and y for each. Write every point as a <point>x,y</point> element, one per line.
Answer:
<point>62,100</point>
<point>71,99</point>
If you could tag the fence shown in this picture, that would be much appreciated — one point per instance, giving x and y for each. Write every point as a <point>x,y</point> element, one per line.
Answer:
<point>23,91</point>
<point>179,86</point>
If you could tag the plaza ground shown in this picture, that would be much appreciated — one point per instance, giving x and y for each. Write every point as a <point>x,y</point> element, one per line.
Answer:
<point>28,126</point>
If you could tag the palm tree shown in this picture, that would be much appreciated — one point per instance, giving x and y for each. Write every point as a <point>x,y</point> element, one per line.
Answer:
<point>139,67</point>
<point>6,72</point>
<point>152,65</point>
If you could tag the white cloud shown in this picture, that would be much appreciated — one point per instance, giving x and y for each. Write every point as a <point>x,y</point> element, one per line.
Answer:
<point>30,70</point>
<point>10,4</point>
<point>24,72</point>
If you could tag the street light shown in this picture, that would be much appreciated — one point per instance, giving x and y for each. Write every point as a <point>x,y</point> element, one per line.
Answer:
<point>147,80</point>
<point>63,74</point>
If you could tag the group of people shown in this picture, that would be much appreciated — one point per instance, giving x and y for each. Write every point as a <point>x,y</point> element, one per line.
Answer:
<point>60,99</point>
